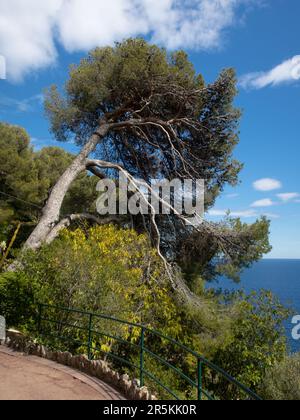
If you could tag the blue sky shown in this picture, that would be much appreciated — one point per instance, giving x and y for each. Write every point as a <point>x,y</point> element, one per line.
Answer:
<point>259,38</point>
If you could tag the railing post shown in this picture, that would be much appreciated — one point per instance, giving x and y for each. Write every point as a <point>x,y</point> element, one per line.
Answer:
<point>200,378</point>
<point>90,337</point>
<point>142,342</point>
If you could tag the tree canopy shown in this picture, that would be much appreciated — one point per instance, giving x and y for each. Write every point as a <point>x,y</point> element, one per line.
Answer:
<point>137,109</point>
<point>27,177</point>
<point>162,122</point>
<point>165,122</point>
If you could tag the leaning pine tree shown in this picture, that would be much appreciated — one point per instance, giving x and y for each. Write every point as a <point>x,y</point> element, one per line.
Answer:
<point>135,108</point>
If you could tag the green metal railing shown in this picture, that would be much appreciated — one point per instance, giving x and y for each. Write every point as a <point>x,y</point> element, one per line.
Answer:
<point>140,346</point>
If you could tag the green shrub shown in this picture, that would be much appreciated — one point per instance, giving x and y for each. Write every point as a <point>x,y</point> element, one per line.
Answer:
<point>17,300</point>
<point>115,271</point>
<point>282,382</point>
<point>258,341</point>
<point>104,270</point>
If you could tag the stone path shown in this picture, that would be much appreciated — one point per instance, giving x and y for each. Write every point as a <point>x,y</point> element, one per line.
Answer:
<point>32,378</point>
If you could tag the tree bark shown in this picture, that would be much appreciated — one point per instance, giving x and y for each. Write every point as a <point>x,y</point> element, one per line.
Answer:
<point>51,211</point>
<point>66,222</point>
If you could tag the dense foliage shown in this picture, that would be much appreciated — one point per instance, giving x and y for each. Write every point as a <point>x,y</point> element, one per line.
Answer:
<point>282,382</point>
<point>26,178</point>
<point>162,121</point>
<point>147,89</point>
<point>258,340</point>
<point>106,270</point>
<point>116,272</point>
<point>17,300</point>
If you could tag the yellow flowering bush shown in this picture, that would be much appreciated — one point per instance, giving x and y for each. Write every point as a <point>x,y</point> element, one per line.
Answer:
<point>116,272</point>
<point>106,270</point>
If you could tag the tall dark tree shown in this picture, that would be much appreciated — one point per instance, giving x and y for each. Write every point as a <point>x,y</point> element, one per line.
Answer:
<point>142,111</point>
<point>26,179</point>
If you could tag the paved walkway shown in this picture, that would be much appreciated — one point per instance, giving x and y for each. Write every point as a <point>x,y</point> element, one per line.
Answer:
<point>32,378</point>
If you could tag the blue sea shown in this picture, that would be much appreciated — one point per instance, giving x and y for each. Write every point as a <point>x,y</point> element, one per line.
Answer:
<point>282,277</point>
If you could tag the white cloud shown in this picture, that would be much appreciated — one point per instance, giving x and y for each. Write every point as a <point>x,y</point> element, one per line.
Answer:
<point>30,29</point>
<point>271,215</point>
<point>266,202</point>
<point>223,213</point>
<point>40,143</point>
<point>286,72</point>
<point>286,197</point>
<point>267,184</point>
<point>83,24</point>
<point>218,213</point>
<point>21,105</point>
<point>243,214</point>
<point>26,34</point>
<point>2,67</point>
<point>234,195</point>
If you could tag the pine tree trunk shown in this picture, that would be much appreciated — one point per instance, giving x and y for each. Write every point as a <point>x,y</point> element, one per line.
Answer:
<point>51,211</point>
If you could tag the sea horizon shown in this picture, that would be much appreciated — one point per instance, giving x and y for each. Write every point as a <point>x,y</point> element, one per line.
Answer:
<point>285,259</point>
